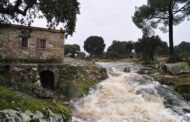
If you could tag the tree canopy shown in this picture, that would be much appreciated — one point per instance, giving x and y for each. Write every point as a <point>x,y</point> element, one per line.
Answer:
<point>120,48</point>
<point>72,49</point>
<point>163,49</point>
<point>167,12</point>
<point>147,47</point>
<point>94,45</point>
<point>183,49</point>
<point>55,12</point>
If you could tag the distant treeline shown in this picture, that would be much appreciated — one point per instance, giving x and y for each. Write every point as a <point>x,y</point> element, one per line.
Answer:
<point>145,48</point>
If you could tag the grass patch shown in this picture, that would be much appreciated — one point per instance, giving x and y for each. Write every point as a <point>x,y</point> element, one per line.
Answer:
<point>162,58</point>
<point>77,80</point>
<point>105,60</point>
<point>183,82</point>
<point>74,89</point>
<point>170,81</point>
<point>131,60</point>
<point>10,99</point>
<point>2,76</point>
<point>184,75</point>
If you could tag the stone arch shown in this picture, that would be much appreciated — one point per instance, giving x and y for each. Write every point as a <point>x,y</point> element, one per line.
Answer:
<point>47,79</point>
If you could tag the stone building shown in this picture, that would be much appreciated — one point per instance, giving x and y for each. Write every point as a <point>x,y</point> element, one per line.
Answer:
<point>31,54</point>
<point>31,43</point>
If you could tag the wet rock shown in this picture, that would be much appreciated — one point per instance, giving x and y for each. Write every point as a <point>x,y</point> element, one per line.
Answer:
<point>126,69</point>
<point>173,99</point>
<point>147,91</point>
<point>141,72</point>
<point>176,68</point>
<point>146,71</point>
<point>10,115</point>
<point>144,79</point>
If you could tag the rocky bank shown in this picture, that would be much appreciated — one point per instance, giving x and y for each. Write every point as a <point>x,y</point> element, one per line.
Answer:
<point>174,75</point>
<point>25,100</point>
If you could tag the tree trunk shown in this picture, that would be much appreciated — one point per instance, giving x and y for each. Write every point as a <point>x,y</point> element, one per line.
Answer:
<point>171,17</point>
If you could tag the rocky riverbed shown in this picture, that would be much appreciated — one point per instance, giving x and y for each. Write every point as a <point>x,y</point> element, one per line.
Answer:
<point>131,97</point>
<point>129,86</point>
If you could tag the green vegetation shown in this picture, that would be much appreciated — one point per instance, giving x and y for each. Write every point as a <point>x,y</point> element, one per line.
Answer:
<point>72,49</point>
<point>169,81</point>
<point>183,87</point>
<point>75,61</point>
<point>74,89</point>
<point>184,75</point>
<point>147,47</point>
<point>106,59</point>
<point>77,80</point>
<point>120,49</point>
<point>25,11</point>
<point>10,99</point>
<point>94,45</point>
<point>167,12</point>
<point>183,50</point>
<point>2,76</point>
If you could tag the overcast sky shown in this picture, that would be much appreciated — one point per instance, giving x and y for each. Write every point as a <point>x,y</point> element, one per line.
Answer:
<point>111,19</point>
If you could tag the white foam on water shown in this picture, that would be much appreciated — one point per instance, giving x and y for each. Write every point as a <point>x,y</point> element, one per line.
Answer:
<point>116,100</point>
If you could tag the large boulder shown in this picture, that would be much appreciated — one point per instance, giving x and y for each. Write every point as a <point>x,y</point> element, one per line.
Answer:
<point>176,68</point>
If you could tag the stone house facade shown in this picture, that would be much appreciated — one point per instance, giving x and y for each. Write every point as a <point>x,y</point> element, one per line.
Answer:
<point>37,44</point>
<point>31,43</point>
<point>31,54</point>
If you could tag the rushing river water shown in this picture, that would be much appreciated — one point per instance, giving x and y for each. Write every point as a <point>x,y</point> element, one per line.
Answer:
<point>130,97</point>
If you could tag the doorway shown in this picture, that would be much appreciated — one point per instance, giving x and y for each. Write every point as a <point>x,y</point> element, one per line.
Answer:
<point>47,79</point>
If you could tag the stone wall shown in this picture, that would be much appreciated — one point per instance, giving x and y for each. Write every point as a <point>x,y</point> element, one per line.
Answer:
<point>30,73</point>
<point>10,44</point>
<point>67,80</point>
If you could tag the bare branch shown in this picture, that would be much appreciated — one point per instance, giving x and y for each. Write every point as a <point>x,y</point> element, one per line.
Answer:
<point>158,17</point>
<point>181,9</point>
<point>174,3</point>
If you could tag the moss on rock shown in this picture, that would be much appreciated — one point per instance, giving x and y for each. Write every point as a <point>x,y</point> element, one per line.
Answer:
<point>77,80</point>
<point>183,87</point>
<point>10,99</point>
<point>165,80</point>
<point>181,83</point>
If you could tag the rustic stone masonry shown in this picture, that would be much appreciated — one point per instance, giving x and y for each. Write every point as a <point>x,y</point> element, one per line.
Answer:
<point>50,76</point>
<point>43,75</point>
<point>32,56</point>
<point>31,43</point>
<point>28,54</point>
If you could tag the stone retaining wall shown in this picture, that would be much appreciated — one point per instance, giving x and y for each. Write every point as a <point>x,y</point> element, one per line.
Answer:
<point>58,77</point>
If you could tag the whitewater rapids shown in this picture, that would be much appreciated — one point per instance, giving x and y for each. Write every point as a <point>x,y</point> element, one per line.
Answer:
<point>129,97</point>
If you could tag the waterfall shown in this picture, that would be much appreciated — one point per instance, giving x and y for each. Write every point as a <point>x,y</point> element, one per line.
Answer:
<point>130,97</point>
